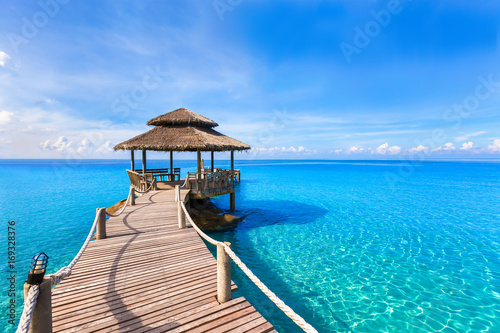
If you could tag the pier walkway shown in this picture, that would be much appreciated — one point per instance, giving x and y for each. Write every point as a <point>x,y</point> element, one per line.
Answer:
<point>149,276</point>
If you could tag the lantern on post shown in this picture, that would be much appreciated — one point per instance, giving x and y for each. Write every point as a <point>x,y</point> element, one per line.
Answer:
<point>38,268</point>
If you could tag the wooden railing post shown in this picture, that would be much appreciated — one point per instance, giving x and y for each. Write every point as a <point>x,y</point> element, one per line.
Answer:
<point>41,321</point>
<point>132,196</point>
<point>223,274</point>
<point>180,212</point>
<point>101,224</point>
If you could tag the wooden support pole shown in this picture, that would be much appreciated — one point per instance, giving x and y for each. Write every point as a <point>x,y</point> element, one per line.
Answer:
<point>223,274</point>
<point>132,196</point>
<point>41,322</point>
<point>198,155</point>
<point>232,168</point>
<point>180,212</point>
<point>232,196</point>
<point>232,201</point>
<point>143,162</point>
<point>172,166</point>
<point>101,224</point>
<point>212,160</point>
<point>132,160</point>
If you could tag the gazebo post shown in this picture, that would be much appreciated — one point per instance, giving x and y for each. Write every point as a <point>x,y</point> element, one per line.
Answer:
<point>232,196</point>
<point>212,160</point>
<point>172,165</point>
<point>132,160</point>
<point>198,153</point>
<point>144,162</point>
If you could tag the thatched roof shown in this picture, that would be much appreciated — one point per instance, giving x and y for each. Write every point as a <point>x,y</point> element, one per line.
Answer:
<point>182,116</point>
<point>182,130</point>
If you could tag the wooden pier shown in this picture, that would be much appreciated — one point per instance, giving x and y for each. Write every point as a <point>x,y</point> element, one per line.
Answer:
<point>149,276</point>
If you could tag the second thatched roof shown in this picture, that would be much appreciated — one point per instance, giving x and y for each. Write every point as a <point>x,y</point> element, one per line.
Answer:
<point>182,116</point>
<point>182,130</point>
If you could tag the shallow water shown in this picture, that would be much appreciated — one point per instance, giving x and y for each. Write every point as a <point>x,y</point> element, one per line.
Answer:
<point>351,246</point>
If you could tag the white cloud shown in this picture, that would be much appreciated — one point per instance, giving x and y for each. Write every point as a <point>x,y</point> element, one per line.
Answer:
<point>86,145</point>
<point>61,145</point>
<point>337,151</point>
<point>45,145</point>
<point>394,150</point>
<point>282,150</point>
<point>467,136</point>
<point>105,148</point>
<point>6,117</point>
<point>382,149</point>
<point>356,150</point>
<point>495,147</point>
<point>447,147</point>
<point>467,146</point>
<point>4,57</point>
<point>418,149</point>
<point>385,149</point>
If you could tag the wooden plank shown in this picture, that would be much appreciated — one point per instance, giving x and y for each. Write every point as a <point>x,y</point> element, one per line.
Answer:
<point>148,275</point>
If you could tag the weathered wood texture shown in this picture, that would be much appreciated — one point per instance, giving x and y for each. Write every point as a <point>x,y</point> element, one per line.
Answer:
<point>149,276</point>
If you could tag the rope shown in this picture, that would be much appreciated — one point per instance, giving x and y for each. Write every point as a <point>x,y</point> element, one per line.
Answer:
<point>185,182</point>
<point>201,233</point>
<point>66,271</point>
<point>130,194</point>
<point>29,305</point>
<point>272,296</point>
<point>149,189</point>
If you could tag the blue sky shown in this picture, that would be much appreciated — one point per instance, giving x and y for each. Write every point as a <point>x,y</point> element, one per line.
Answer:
<point>294,79</point>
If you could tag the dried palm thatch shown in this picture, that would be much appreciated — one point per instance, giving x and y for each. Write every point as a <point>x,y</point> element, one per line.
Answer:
<point>182,130</point>
<point>182,116</point>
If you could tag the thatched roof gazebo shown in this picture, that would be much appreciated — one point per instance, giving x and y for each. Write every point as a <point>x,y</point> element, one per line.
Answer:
<point>182,130</point>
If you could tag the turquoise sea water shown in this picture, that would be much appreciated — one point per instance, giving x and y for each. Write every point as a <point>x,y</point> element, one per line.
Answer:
<point>352,246</point>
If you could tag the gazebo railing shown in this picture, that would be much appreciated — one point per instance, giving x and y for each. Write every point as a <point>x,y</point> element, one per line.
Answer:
<point>236,172</point>
<point>141,183</point>
<point>208,181</point>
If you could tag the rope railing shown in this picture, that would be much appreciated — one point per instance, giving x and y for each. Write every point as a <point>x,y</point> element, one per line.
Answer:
<point>272,296</point>
<point>153,182</point>
<point>34,290</point>
<point>64,272</point>
<point>29,305</point>
<point>129,198</point>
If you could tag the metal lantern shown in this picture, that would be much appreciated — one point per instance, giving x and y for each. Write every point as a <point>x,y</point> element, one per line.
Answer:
<point>38,268</point>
